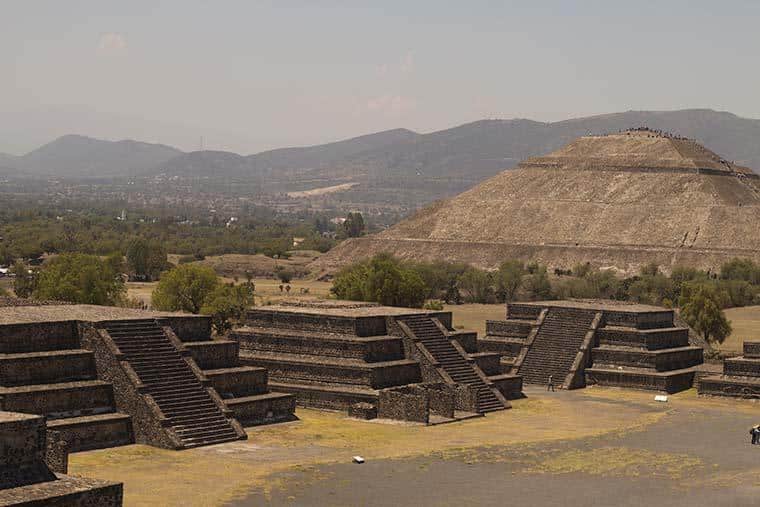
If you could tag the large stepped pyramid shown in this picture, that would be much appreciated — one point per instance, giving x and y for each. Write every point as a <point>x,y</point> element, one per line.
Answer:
<point>582,342</point>
<point>620,200</point>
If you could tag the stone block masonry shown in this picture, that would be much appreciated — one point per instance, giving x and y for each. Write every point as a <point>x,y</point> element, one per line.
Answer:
<point>740,378</point>
<point>338,355</point>
<point>582,342</point>
<point>27,480</point>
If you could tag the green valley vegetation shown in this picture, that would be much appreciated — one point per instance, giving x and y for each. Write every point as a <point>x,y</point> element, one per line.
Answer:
<point>197,289</point>
<point>28,231</point>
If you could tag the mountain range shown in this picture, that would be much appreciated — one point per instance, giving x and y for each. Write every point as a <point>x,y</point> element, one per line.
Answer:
<point>388,163</point>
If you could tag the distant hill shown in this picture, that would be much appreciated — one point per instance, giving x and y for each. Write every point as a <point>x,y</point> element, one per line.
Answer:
<point>80,156</point>
<point>401,167</point>
<point>397,167</point>
<point>284,160</point>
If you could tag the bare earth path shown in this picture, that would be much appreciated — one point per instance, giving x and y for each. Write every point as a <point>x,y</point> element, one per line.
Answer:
<point>567,445</point>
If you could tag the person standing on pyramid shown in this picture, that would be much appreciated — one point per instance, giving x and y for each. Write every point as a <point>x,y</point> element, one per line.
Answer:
<point>550,385</point>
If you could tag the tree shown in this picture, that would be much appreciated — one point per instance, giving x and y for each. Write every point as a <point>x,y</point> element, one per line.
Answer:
<point>79,278</point>
<point>353,226</point>
<point>537,284</point>
<point>146,259</point>
<point>476,286</point>
<point>741,269</point>
<point>227,304</point>
<point>24,281</point>
<point>186,288</point>
<point>702,312</point>
<point>382,279</point>
<point>509,279</point>
<point>284,275</point>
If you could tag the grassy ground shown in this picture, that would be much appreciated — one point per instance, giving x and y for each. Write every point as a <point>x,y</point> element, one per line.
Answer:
<point>220,474</point>
<point>267,461</point>
<point>746,326</point>
<point>474,316</point>
<point>267,290</point>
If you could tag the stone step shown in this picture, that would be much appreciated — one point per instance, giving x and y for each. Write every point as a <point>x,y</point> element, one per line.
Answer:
<point>100,431</point>
<point>641,378</point>
<point>214,354</point>
<point>326,396</point>
<point>48,367</point>
<point>297,368</point>
<point>369,349</point>
<point>263,408</point>
<point>59,400</point>
<point>238,381</point>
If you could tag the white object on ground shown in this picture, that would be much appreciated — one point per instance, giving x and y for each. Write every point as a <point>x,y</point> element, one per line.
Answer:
<point>661,398</point>
<point>358,459</point>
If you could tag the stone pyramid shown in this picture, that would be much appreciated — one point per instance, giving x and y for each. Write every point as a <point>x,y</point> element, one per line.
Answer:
<point>617,201</point>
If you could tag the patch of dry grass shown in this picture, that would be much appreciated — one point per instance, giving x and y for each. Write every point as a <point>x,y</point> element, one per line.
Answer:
<point>620,462</point>
<point>219,474</point>
<point>473,316</point>
<point>746,327</point>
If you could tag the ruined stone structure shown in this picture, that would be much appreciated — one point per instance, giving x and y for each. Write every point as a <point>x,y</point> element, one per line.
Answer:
<point>109,376</point>
<point>26,479</point>
<point>594,342</point>
<point>740,378</point>
<point>344,355</point>
<point>617,201</point>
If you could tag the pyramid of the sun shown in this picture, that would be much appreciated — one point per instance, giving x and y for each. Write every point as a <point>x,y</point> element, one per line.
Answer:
<point>619,200</point>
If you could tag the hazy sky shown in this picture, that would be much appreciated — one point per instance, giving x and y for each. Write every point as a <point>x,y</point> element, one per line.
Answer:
<point>250,75</point>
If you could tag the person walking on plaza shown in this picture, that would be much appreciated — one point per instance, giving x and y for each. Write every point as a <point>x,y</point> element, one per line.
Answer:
<point>550,385</point>
<point>755,432</point>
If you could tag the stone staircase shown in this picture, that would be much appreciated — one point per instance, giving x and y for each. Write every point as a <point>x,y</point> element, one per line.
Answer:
<point>453,362</point>
<point>192,414</point>
<point>556,345</point>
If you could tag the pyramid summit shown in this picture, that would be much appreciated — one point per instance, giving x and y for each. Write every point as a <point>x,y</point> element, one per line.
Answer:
<point>637,150</point>
<point>619,200</point>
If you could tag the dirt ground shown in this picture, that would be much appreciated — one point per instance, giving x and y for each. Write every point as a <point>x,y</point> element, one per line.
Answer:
<point>565,445</point>
<point>267,290</point>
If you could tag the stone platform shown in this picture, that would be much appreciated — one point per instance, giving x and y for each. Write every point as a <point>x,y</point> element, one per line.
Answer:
<point>106,376</point>
<point>27,480</point>
<point>336,355</point>
<point>740,378</point>
<point>581,342</point>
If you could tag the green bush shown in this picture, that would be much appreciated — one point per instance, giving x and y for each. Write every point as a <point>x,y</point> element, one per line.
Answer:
<point>382,279</point>
<point>79,278</point>
<point>185,288</point>
<point>227,305</point>
<point>701,309</point>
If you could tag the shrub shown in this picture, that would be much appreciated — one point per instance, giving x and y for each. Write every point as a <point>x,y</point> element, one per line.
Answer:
<point>185,288</point>
<point>701,310</point>
<point>382,279</point>
<point>79,278</point>
<point>435,305</point>
<point>227,305</point>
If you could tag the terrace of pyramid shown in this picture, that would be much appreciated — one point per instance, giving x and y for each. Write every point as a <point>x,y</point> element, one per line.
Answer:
<point>617,201</point>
